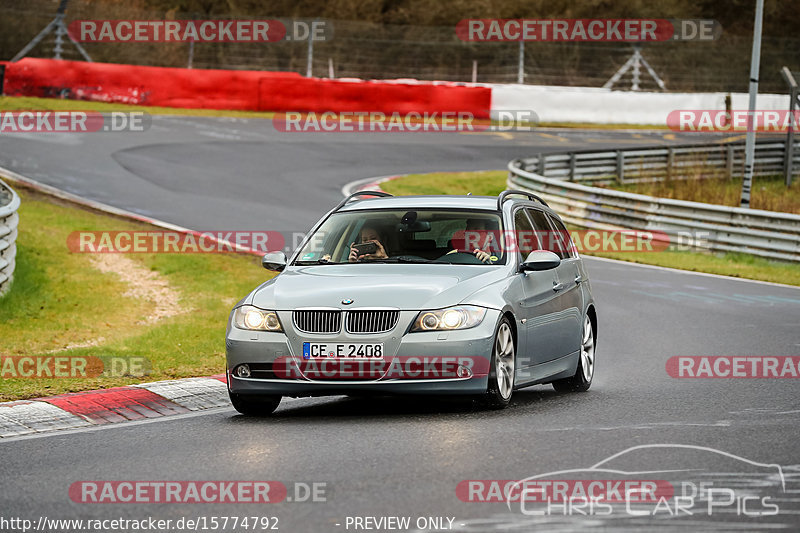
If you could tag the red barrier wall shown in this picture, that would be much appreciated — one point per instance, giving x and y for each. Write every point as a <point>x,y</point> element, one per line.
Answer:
<point>234,89</point>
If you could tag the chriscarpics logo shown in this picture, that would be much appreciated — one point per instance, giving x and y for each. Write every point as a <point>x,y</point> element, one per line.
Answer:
<point>681,485</point>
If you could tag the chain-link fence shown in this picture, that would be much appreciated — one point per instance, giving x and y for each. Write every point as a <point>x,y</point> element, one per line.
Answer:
<point>382,51</point>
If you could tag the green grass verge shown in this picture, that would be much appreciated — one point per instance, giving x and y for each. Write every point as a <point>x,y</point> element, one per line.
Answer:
<point>23,103</point>
<point>492,182</point>
<point>60,299</point>
<point>593,126</point>
<point>770,193</point>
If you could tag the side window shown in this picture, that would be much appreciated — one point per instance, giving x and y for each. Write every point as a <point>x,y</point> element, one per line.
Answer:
<point>554,238</point>
<point>525,234</point>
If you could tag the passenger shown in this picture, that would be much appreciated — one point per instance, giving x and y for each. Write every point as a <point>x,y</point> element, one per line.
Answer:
<point>368,234</point>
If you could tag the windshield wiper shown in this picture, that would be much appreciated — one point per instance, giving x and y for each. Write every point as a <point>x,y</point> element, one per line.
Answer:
<point>402,259</point>
<point>315,262</point>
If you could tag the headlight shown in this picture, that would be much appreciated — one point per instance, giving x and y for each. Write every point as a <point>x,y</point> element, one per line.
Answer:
<point>458,317</point>
<point>255,319</point>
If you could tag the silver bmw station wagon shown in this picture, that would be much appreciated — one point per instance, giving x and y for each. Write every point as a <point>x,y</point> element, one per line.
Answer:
<point>440,295</point>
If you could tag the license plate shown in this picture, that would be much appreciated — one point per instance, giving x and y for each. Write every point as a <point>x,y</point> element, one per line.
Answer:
<point>331,350</point>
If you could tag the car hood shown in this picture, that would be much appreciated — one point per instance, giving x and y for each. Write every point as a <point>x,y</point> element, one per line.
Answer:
<point>405,287</point>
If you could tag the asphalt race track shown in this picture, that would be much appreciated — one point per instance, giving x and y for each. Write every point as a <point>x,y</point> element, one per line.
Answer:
<point>406,457</point>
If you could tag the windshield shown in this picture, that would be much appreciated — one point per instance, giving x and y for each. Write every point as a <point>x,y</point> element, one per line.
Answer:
<point>406,236</point>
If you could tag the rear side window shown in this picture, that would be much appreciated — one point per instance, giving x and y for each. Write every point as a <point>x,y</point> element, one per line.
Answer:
<point>553,236</point>
<point>564,244</point>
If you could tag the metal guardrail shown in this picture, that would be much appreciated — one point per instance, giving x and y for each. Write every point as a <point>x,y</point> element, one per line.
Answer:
<point>631,165</point>
<point>9,219</point>
<point>717,228</point>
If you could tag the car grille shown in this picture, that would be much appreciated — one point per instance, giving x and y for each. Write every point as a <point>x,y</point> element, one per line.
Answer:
<point>371,321</point>
<point>318,321</point>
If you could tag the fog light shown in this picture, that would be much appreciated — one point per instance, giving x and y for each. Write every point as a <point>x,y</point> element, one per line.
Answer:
<point>463,372</point>
<point>243,371</point>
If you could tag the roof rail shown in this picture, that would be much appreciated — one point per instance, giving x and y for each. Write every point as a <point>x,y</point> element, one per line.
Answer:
<point>360,193</point>
<point>505,194</point>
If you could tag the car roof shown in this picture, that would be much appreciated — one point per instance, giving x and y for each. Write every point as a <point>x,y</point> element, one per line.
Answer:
<point>483,203</point>
<point>488,203</point>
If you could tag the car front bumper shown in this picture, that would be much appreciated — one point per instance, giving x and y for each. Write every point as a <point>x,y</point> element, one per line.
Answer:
<point>266,351</point>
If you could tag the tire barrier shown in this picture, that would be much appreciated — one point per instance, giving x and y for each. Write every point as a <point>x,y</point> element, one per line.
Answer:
<point>236,89</point>
<point>9,220</point>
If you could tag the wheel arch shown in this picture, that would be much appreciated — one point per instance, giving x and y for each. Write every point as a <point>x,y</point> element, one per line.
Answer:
<point>592,314</point>
<point>507,313</point>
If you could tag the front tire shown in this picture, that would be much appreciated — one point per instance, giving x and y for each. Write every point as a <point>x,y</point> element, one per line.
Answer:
<point>501,371</point>
<point>255,405</point>
<point>584,374</point>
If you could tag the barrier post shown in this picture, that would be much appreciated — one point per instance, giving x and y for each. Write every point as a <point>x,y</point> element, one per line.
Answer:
<point>788,153</point>
<point>729,161</point>
<point>310,57</point>
<point>670,162</point>
<point>572,166</point>
<point>750,141</point>
<point>191,54</point>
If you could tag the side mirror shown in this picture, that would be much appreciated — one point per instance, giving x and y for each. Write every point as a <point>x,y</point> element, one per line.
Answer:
<point>274,261</point>
<point>540,260</point>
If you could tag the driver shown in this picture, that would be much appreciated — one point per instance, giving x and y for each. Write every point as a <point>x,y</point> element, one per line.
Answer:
<point>368,234</point>
<point>475,225</point>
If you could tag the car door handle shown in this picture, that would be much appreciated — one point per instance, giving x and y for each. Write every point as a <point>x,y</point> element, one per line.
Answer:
<point>578,279</point>
<point>557,286</point>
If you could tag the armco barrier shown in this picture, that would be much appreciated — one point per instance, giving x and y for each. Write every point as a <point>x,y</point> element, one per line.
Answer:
<point>235,89</point>
<point>9,219</point>
<point>717,228</point>
<point>631,165</point>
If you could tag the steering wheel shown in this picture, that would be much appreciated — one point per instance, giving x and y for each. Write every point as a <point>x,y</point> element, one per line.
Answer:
<point>460,258</point>
<point>409,257</point>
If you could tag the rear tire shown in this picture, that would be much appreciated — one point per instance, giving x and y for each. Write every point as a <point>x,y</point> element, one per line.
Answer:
<point>501,368</point>
<point>584,374</point>
<point>255,405</point>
